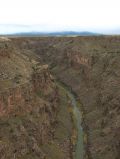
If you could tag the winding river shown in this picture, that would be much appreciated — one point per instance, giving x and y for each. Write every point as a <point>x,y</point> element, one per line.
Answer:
<point>79,149</point>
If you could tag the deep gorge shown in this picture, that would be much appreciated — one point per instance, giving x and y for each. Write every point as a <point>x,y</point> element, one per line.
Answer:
<point>89,65</point>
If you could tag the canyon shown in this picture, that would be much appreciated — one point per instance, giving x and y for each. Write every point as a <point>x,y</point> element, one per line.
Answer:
<point>31,107</point>
<point>34,118</point>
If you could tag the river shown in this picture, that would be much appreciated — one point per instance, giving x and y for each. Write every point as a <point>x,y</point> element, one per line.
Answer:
<point>79,148</point>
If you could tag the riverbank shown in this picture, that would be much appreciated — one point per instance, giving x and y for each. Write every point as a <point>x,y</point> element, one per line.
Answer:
<point>86,142</point>
<point>78,137</point>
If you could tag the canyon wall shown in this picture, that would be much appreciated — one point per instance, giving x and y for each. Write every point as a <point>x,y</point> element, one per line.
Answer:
<point>91,67</point>
<point>29,108</point>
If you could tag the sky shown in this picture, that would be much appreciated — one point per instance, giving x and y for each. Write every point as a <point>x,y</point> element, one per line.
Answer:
<point>57,15</point>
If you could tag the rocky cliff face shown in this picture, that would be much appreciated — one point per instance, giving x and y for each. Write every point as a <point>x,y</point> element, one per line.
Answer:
<point>98,90</point>
<point>29,106</point>
<point>91,66</point>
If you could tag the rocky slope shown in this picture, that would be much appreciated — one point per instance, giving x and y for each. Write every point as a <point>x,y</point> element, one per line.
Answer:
<point>91,66</point>
<point>31,108</point>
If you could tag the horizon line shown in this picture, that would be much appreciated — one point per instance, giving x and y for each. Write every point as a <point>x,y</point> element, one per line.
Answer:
<point>44,28</point>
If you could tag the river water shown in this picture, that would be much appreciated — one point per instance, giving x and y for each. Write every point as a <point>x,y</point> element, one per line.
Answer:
<point>79,148</point>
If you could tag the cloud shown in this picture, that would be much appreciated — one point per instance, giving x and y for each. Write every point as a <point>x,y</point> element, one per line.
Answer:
<point>55,15</point>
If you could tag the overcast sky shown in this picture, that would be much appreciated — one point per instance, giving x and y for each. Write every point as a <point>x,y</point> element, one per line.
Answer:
<point>52,15</point>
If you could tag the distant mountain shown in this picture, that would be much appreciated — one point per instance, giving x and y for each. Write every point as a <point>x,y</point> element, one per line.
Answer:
<point>62,33</point>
